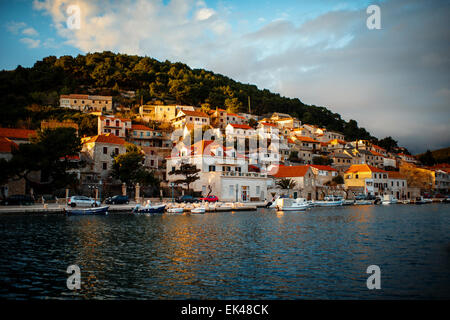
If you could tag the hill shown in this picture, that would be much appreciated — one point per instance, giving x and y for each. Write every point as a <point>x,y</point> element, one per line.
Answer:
<point>107,73</point>
<point>438,156</point>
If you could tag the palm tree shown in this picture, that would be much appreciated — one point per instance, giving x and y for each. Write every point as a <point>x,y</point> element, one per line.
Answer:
<point>286,183</point>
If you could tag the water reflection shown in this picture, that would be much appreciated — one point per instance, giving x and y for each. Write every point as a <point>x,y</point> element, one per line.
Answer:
<point>318,253</point>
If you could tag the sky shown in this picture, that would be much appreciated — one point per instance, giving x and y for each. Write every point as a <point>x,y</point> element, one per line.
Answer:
<point>395,81</point>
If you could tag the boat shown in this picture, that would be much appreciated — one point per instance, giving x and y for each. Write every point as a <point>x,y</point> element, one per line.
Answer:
<point>389,199</point>
<point>348,202</point>
<point>199,210</point>
<point>94,211</point>
<point>446,200</point>
<point>287,204</point>
<point>363,202</point>
<point>175,210</point>
<point>329,201</point>
<point>422,200</point>
<point>149,208</point>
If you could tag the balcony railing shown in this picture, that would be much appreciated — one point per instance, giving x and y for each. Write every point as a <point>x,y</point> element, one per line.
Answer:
<point>242,174</point>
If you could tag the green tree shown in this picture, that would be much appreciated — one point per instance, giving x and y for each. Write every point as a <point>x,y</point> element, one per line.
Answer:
<point>427,158</point>
<point>52,153</point>
<point>338,180</point>
<point>286,183</point>
<point>129,167</point>
<point>190,173</point>
<point>387,143</point>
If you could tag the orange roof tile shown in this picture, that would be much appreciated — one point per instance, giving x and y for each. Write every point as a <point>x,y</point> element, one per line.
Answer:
<point>288,171</point>
<point>240,126</point>
<point>322,167</point>
<point>307,139</point>
<point>140,127</point>
<point>363,168</point>
<point>268,124</point>
<point>7,145</point>
<point>104,138</point>
<point>14,133</point>
<point>194,113</point>
<point>376,153</point>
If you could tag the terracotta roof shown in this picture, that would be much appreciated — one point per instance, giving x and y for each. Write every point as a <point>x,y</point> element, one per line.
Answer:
<point>363,168</point>
<point>14,133</point>
<point>322,167</point>
<point>74,96</point>
<point>104,138</point>
<point>7,145</point>
<point>289,140</point>
<point>235,115</point>
<point>194,113</point>
<point>240,126</point>
<point>377,147</point>
<point>268,124</point>
<point>288,171</point>
<point>140,127</point>
<point>376,153</point>
<point>337,141</point>
<point>307,139</point>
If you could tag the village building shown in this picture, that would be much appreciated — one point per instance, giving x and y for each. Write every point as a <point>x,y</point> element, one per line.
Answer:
<point>161,113</point>
<point>17,136</point>
<point>99,152</point>
<point>367,179</point>
<point>86,103</point>
<point>303,177</point>
<point>190,118</point>
<point>114,125</point>
<point>224,172</point>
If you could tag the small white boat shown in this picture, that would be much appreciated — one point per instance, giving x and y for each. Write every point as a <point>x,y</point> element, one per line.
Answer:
<point>287,204</point>
<point>363,202</point>
<point>329,201</point>
<point>149,208</point>
<point>199,210</point>
<point>348,202</point>
<point>175,210</point>
<point>389,199</point>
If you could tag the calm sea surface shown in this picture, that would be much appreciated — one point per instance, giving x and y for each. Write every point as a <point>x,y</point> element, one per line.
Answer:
<point>317,254</point>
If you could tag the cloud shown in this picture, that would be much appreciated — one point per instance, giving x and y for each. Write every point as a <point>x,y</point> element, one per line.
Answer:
<point>393,81</point>
<point>31,43</point>
<point>15,27</point>
<point>30,32</point>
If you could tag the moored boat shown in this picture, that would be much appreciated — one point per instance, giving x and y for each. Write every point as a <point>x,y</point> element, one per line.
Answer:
<point>389,199</point>
<point>93,211</point>
<point>175,210</point>
<point>287,204</point>
<point>199,210</point>
<point>149,208</point>
<point>329,201</point>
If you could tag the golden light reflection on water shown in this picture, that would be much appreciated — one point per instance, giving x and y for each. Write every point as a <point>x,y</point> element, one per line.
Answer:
<point>90,233</point>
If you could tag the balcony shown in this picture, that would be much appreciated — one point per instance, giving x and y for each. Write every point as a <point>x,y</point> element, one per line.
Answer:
<point>242,174</point>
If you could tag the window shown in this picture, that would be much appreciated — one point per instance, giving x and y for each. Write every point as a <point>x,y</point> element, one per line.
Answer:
<point>212,168</point>
<point>107,122</point>
<point>173,169</point>
<point>105,166</point>
<point>258,190</point>
<point>117,132</point>
<point>116,151</point>
<point>152,163</point>
<point>105,150</point>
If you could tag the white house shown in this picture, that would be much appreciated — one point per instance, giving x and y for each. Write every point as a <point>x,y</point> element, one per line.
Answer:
<point>224,172</point>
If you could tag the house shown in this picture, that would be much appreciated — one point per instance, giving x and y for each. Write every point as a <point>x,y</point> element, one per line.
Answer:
<point>341,161</point>
<point>239,131</point>
<point>190,118</point>
<point>17,135</point>
<point>98,152</point>
<point>223,172</point>
<point>302,176</point>
<point>144,136</point>
<point>367,179</point>
<point>398,185</point>
<point>114,125</point>
<point>323,174</point>
<point>236,119</point>
<point>248,116</point>
<point>84,102</point>
<point>219,118</point>
<point>161,113</point>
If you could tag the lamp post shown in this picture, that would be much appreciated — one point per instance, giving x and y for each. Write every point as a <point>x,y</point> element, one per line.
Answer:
<point>100,190</point>
<point>172,185</point>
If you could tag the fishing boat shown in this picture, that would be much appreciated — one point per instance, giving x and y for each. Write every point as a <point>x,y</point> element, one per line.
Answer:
<point>389,199</point>
<point>348,202</point>
<point>149,208</point>
<point>287,204</point>
<point>422,200</point>
<point>199,210</point>
<point>94,211</point>
<point>175,210</point>
<point>329,201</point>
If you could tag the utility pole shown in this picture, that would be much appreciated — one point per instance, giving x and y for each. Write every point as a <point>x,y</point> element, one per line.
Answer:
<point>249,107</point>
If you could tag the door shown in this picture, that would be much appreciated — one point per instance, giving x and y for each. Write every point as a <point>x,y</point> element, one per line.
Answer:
<point>245,194</point>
